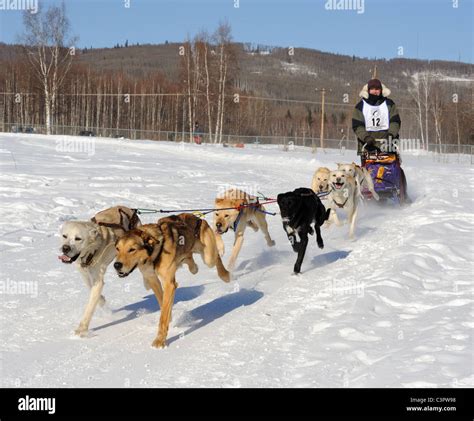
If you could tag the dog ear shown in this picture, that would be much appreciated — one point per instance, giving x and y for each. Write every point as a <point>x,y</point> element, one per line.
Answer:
<point>93,233</point>
<point>149,247</point>
<point>149,242</point>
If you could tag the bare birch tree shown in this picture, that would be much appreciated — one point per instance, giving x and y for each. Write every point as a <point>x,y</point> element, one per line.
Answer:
<point>223,39</point>
<point>426,82</point>
<point>46,46</point>
<point>208,97</point>
<point>416,95</point>
<point>437,107</point>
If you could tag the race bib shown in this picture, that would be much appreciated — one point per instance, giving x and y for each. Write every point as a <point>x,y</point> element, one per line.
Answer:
<point>376,117</point>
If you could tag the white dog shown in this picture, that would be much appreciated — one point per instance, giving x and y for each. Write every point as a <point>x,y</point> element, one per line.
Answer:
<point>344,195</point>
<point>92,245</point>
<point>362,177</point>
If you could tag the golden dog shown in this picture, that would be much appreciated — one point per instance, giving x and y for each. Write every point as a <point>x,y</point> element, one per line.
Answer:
<point>320,182</point>
<point>234,213</point>
<point>158,250</point>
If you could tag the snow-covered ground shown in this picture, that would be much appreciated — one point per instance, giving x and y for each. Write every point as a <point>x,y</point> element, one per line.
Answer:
<point>297,68</point>
<point>392,308</point>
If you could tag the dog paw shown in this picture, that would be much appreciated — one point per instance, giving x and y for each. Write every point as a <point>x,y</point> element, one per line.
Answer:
<point>296,270</point>
<point>159,343</point>
<point>271,243</point>
<point>81,332</point>
<point>320,245</point>
<point>227,277</point>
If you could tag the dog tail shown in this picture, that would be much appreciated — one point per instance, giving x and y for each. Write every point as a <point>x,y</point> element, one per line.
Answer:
<point>223,273</point>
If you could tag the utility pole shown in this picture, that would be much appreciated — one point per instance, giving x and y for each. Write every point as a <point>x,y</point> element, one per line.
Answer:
<point>323,92</point>
<point>323,99</point>
<point>374,72</point>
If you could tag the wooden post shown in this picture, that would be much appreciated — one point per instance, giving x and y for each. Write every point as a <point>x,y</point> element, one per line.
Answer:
<point>323,91</point>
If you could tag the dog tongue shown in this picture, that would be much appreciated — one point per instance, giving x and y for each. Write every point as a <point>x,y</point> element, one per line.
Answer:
<point>64,258</point>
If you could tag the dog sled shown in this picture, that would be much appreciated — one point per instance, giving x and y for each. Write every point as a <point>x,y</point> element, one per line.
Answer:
<point>387,175</point>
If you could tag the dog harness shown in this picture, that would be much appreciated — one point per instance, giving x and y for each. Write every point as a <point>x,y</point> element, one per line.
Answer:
<point>322,195</point>
<point>198,228</point>
<point>340,205</point>
<point>236,223</point>
<point>131,223</point>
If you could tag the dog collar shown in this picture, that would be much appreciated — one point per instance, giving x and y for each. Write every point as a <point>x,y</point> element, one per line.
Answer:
<point>89,260</point>
<point>322,195</point>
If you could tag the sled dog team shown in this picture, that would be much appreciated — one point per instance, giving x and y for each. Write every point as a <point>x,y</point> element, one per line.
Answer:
<point>158,250</point>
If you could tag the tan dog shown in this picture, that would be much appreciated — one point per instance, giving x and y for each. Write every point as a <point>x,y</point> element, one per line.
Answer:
<point>234,214</point>
<point>344,195</point>
<point>158,250</point>
<point>91,243</point>
<point>320,182</point>
<point>362,177</point>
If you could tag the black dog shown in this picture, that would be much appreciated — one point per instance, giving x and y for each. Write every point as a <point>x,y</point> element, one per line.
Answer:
<point>299,209</point>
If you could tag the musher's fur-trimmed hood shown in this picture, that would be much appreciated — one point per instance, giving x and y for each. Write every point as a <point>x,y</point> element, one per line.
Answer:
<point>365,92</point>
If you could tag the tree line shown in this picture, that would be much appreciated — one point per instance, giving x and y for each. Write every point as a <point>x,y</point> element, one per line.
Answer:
<point>46,84</point>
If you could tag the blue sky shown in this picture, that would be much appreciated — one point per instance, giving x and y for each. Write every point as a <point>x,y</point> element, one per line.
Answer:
<point>426,29</point>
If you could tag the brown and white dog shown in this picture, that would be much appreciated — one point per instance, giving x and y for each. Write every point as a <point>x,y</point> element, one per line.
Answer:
<point>234,213</point>
<point>92,245</point>
<point>158,250</point>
